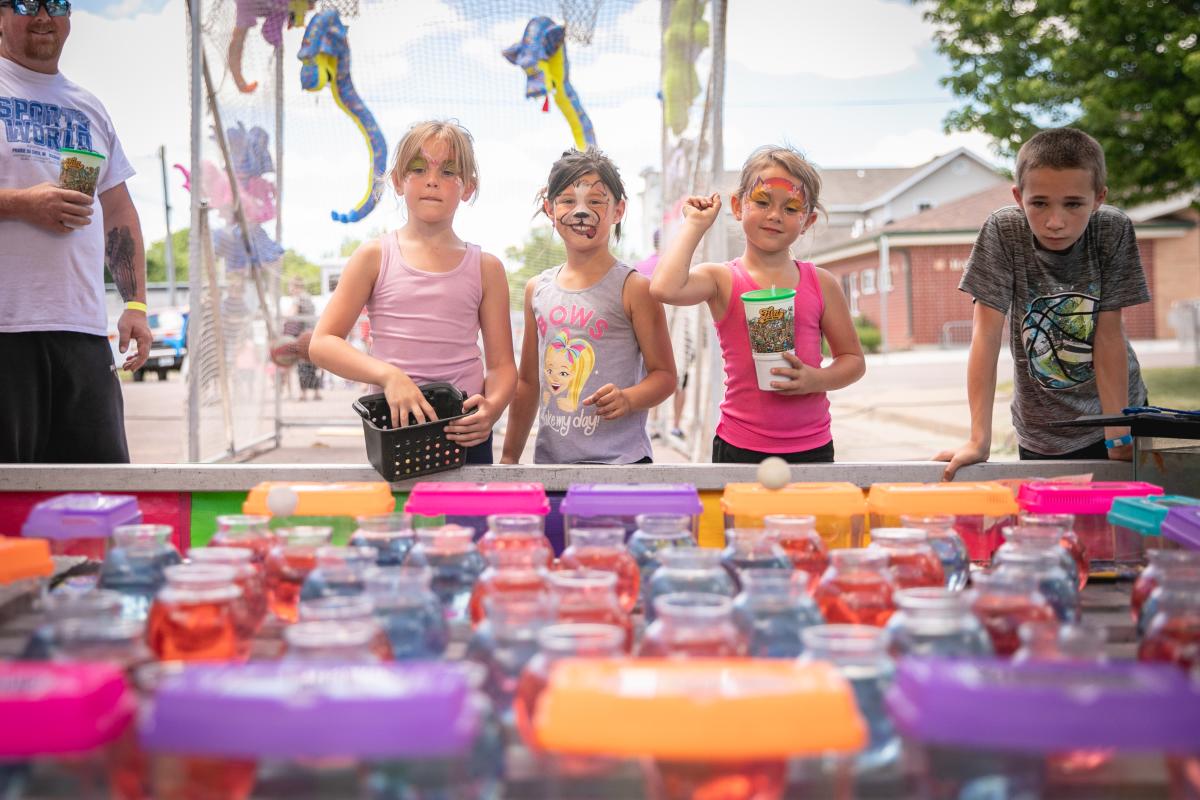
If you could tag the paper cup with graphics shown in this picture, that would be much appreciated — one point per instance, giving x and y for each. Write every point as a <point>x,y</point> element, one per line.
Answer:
<point>771,320</point>
<point>79,170</point>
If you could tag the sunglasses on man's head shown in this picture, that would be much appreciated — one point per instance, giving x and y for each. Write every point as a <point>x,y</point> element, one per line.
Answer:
<point>29,8</point>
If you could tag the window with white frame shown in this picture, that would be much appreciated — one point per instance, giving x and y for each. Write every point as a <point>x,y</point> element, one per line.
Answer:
<point>868,281</point>
<point>885,278</point>
<point>853,293</point>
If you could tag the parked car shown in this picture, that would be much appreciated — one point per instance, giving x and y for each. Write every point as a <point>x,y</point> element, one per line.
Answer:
<point>168,348</point>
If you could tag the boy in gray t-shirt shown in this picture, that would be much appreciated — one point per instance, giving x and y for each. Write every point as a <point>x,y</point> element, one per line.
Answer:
<point>1062,266</point>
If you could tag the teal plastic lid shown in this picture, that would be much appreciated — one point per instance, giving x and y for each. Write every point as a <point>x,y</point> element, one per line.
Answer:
<point>1145,515</point>
<point>761,295</point>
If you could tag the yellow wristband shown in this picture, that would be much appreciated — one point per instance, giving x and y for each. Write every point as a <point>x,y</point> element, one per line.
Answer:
<point>134,305</point>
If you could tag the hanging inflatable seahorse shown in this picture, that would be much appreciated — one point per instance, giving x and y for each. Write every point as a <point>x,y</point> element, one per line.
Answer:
<point>542,53</point>
<point>325,52</point>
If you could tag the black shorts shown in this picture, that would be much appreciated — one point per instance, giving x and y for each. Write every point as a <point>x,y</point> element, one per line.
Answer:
<point>1094,451</point>
<point>725,453</point>
<point>60,400</point>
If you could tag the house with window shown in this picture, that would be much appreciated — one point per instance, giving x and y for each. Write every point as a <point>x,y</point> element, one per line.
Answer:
<point>903,277</point>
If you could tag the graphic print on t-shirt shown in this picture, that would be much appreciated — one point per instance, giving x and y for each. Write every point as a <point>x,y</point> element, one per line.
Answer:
<point>1057,333</point>
<point>568,361</point>
<point>46,127</point>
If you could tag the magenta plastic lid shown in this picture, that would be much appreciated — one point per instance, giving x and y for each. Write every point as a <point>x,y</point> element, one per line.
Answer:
<point>630,499</point>
<point>313,709</point>
<point>81,515</point>
<point>434,498</point>
<point>49,709</point>
<point>1046,707</point>
<point>1182,525</point>
<point>1051,497</point>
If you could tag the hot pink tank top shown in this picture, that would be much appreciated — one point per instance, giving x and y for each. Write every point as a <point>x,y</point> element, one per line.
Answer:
<point>766,421</point>
<point>427,323</point>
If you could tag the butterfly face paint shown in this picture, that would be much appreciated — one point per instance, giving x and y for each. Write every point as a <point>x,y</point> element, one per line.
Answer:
<point>581,206</point>
<point>427,164</point>
<point>762,193</point>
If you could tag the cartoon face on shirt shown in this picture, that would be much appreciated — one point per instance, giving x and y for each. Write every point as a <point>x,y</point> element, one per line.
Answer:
<point>566,366</point>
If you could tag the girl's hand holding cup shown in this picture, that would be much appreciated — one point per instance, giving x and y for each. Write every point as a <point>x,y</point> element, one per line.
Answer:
<point>702,210</point>
<point>404,398</point>
<point>799,379</point>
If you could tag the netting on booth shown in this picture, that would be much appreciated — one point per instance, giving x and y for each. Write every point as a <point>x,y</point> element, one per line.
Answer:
<point>392,64</point>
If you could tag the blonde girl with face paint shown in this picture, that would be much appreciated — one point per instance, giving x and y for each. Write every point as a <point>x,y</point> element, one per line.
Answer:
<point>596,353</point>
<point>429,296</point>
<point>776,202</point>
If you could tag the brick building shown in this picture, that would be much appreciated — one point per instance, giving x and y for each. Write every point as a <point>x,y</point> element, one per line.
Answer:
<point>916,264</point>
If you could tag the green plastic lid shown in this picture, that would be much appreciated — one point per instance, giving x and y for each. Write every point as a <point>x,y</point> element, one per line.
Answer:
<point>759,295</point>
<point>81,152</point>
<point>1145,515</point>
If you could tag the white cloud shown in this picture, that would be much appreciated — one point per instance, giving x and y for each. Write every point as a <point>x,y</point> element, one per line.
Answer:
<point>846,39</point>
<point>918,146</point>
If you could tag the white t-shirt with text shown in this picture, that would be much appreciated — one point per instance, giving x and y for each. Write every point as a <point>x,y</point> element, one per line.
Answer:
<point>52,281</point>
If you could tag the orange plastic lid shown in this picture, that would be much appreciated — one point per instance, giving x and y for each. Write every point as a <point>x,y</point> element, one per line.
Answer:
<point>327,499</point>
<point>24,558</point>
<point>987,499</point>
<point>698,710</point>
<point>753,499</point>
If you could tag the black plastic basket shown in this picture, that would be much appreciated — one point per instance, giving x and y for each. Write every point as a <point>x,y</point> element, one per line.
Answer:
<point>402,453</point>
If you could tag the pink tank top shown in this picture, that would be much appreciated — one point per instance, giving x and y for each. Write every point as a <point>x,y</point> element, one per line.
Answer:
<point>427,323</point>
<point>766,421</point>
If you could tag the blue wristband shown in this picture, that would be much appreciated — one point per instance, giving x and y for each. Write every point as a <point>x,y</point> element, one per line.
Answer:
<point>1120,441</point>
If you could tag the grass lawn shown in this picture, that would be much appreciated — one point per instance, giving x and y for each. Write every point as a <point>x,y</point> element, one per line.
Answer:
<point>1174,387</point>
<point>1169,387</point>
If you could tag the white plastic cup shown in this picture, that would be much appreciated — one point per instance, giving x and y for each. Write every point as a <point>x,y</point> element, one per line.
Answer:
<point>79,170</point>
<point>763,364</point>
<point>771,326</point>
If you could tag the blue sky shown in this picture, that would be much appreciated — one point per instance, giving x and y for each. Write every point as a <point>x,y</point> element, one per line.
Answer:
<point>852,83</point>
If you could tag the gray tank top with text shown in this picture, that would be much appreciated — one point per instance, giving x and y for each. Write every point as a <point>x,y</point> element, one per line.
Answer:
<point>585,341</point>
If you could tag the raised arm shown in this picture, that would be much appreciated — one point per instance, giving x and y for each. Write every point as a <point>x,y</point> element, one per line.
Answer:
<point>650,328</point>
<point>500,378</point>
<point>674,281</point>
<point>329,349</point>
<point>987,331</point>
<point>125,258</point>
<point>524,404</point>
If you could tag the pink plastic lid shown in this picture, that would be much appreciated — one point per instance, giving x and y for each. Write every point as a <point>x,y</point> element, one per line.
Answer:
<point>434,498</point>
<point>1050,497</point>
<point>49,709</point>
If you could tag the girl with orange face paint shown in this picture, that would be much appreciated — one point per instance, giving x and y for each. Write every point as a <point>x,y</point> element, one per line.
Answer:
<point>776,203</point>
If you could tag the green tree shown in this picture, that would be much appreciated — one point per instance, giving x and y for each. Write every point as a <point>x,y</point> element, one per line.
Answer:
<point>1127,73</point>
<point>296,265</point>
<point>541,250</point>
<point>156,258</point>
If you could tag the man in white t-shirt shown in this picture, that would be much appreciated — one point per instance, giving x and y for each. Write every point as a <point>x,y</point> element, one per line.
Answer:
<point>60,397</point>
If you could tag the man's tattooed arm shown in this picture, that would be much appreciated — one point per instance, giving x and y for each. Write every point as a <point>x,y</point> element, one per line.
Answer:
<point>118,259</point>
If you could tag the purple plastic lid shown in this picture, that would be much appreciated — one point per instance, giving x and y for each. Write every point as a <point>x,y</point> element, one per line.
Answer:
<point>1045,706</point>
<point>82,515</point>
<point>628,499</point>
<point>311,709</point>
<point>1182,525</point>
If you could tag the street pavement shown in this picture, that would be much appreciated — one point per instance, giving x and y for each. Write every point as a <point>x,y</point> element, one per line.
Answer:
<point>909,406</point>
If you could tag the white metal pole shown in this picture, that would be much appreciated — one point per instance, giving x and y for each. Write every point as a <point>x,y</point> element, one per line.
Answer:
<point>195,279</point>
<point>168,243</point>
<point>883,286</point>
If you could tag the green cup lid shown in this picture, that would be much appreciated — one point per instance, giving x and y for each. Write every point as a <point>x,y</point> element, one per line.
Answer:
<point>81,152</point>
<point>760,295</point>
